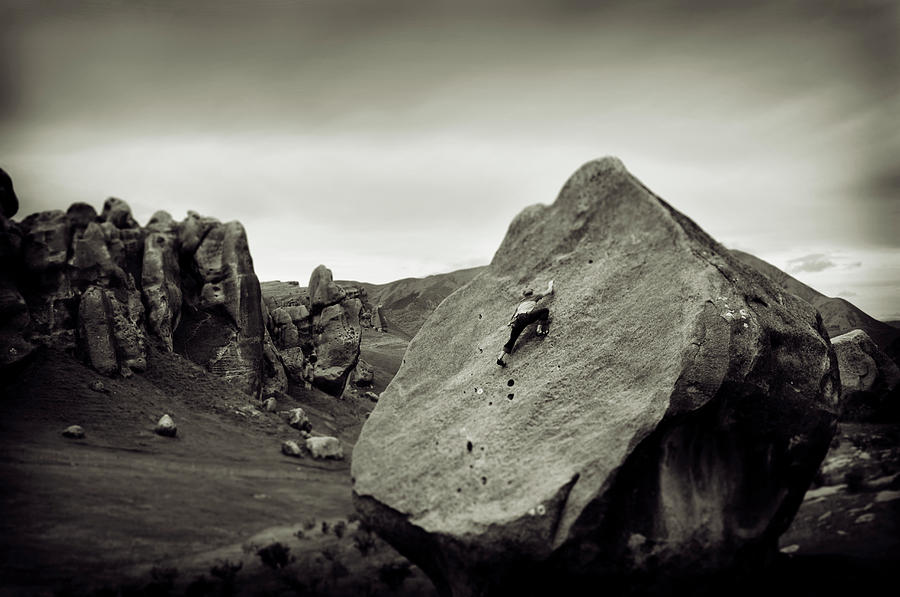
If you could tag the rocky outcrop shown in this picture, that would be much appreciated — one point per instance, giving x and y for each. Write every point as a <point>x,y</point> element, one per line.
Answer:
<point>317,338</point>
<point>161,278</point>
<point>869,377</point>
<point>222,322</point>
<point>337,342</point>
<point>670,423</point>
<point>102,286</point>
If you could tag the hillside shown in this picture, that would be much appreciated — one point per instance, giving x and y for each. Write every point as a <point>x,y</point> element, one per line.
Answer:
<point>407,303</point>
<point>840,316</point>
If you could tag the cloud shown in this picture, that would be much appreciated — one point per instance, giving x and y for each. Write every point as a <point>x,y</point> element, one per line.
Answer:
<point>819,262</point>
<point>816,262</point>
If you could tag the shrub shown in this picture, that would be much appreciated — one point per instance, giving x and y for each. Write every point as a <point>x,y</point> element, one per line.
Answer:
<point>309,523</point>
<point>339,529</point>
<point>325,527</point>
<point>394,573</point>
<point>364,541</point>
<point>275,555</point>
<point>199,587</point>
<point>226,572</point>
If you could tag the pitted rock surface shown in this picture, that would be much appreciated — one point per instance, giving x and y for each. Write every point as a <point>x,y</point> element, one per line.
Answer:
<point>670,422</point>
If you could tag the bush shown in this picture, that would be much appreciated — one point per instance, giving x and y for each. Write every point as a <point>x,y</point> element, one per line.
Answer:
<point>325,527</point>
<point>200,587</point>
<point>275,556</point>
<point>309,523</point>
<point>364,541</point>
<point>339,528</point>
<point>394,573</point>
<point>226,572</point>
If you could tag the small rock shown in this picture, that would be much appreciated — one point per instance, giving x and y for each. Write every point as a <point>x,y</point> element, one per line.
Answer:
<point>166,426</point>
<point>291,448</point>
<point>865,518</point>
<point>371,396</point>
<point>298,420</point>
<point>98,386</point>
<point>73,432</point>
<point>305,435</point>
<point>270,405</point>
<point>325,447</point>
<point>790,549</point>
<point>824,517</point>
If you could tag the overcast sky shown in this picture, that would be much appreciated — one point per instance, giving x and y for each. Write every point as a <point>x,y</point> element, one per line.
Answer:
<point>388,138</point>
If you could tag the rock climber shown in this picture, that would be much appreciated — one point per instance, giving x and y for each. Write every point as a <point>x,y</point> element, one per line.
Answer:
<point>530,309</point>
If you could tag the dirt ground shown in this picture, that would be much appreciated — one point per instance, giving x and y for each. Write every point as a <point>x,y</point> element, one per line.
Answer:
<point>218,510</point>
<point>124,505</point>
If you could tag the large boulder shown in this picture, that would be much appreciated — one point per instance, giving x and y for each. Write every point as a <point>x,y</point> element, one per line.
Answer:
<point>869,377</point>
<point>337,345</point>
<point>322,289</point>
<point>670,423</point>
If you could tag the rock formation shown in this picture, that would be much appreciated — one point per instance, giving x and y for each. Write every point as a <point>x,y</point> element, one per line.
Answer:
<point>323,319</point>
<point>222,321</point>
<point>103,287</point>
<point>870,378</point>
<point>669,424</point>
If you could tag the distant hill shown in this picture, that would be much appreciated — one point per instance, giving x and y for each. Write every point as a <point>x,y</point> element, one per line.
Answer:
<point>840,316</point>
<point>407,303</point>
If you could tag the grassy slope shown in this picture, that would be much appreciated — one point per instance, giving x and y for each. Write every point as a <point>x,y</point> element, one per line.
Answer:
<point>104,510</point>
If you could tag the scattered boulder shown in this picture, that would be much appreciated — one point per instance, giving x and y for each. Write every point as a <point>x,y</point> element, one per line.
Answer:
<point>166,426</point>
<point>98,386</point>
<point>73,432</point>
<point>291,448</point>
<point>325,447</point>
<point>371,396</point>
<point>270,405</point>
<point>869,378</point>
<point>668,427</point>
<point>297,418</point>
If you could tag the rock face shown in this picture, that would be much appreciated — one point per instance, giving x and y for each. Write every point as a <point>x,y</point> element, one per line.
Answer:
<point>869,378</point>
<point>670,423</point>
